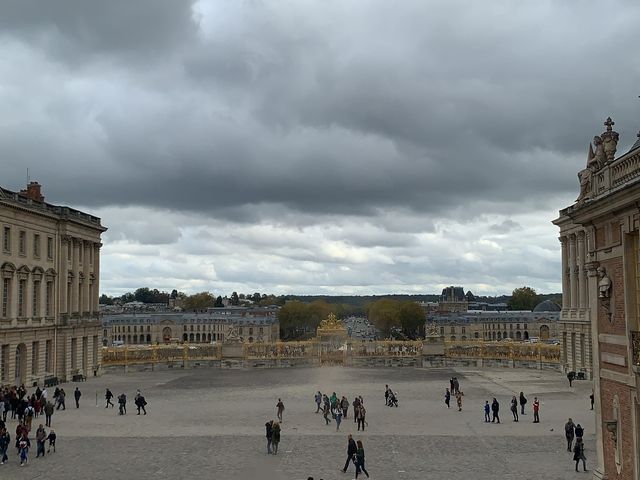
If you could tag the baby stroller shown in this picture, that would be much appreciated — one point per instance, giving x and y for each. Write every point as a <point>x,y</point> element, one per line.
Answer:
<point>393,399</point>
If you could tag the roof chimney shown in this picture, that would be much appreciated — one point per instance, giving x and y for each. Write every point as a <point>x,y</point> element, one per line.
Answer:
<point>33,192</point>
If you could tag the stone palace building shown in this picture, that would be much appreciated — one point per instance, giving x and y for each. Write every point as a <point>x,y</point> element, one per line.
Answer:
<point>50,269</point>
<point>600,318</point>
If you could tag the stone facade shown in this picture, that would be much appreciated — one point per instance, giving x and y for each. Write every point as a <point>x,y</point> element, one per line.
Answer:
<point>601,291</point>
<point>50,269</point>
<point>212,325</point>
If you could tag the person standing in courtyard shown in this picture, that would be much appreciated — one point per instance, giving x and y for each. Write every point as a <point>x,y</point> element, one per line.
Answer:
<point>108,395</point>
<point>77,395</point>
<point>495,410</point>
<point>447,398</point>
<point>280,407</point>
<point>52,441</point>
<point>318,399</point>
<point>344,405</point>
<point>569,432</point>
<point>591,399</point>
<point>578,454</point>
<point>269,434</point>
<point>361,416</point>
<point>579,431</point>
<point>338,419</point>
<point>386,394</point>
<point>48,412</point>
<point>523,402</point>
<point>458,400</point>
<point>326,411</point>
<point>487,409</point>
<point>275,438</point>
<point>61,399</point>
<point>360,460</point>
<point>536,410</point>
<point>41,438</point>
<point>122,404</point>
<point>514,408</point>
<point>141,402</point>
<point>5,441</point>
<point>352,449</point>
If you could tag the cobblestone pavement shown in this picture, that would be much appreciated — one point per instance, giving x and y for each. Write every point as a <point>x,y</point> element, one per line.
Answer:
<point>209,423</point>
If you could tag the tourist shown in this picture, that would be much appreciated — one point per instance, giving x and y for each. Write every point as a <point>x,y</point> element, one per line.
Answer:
<point>356,404</point>
<point>280,407</point>
<point>140,402</point>
<point>338,419</point>
<point>318,399</point>
<point>495,410</point>
<point>451,386</point>
<point>579,431</point>
<point>23,446</point>
<point>275,437</point>
<point>122,404</point>
<point>361,415</point>
<point>77,395</point>
<point>352,449</point>
<point>571,376</point>
<point>514,408</point>
<point>569,432</point>
<point>29,412</point>
<point>393,399</point>
<point>41,437</point>
<point>344,405</point>
<point>5,441</point>
<point>48,412</point>
<point>456,385</point>
<point>52,441</point>
<point>386,395</point>
<point>458,400</point>
<point>590,399</point>
<point>326,410</point>
<point>487,409</point>
<point>523,402</point>
<point>578,454</point>
<point>61,399</point>
<point>536,410</point>
<point>269,434</point>
<point>360,460</point>
<point>447,397</point>
<point>108,395</point>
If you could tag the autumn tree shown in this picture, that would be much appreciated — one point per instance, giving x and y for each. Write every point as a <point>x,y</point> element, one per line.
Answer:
<point>199,301</point>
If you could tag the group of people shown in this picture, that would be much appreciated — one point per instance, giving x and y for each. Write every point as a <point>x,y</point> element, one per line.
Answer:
<point>571,431</point>
<point>24,408</point>
<point>355,455</point>
<point>273,436</point>
<point>492,411</point>
<point>139,401</point>
<point>336,409</point>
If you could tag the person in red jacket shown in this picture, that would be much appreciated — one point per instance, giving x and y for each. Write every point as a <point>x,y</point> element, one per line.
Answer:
<point>536,410</point>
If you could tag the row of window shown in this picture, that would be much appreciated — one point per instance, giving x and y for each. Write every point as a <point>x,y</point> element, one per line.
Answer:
<point>127,328</point>
<point>22,243</point>
<point>22,298</point>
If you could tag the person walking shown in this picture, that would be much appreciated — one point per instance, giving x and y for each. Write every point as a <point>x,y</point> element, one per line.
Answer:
<point>318,399</point>
<point>487,409</point>
<point>61,398</point>
<point>360,460</point>
<point>344,405</point>
<point>356,404</point>
<point>536,410</point>
<point>326,411</point>
<point>579,431</point>
<point>122,404</point>
<point>269,430</point>
<point>352,449</point>
<point>280,407</point>
<point>41,437</point>
<point>569,432</point>
<point>495,410</point>
<point>275,437</point>
<point>578,454</point>
<point>108,395</point>
<point>52,441</point>
<point>48,412</point>
<point>141,403</point>
<point>338,420</point>
<point>362,412</point>
<point>514,408</point>
<point>591,399</point>
<point>458,400</point>
<point>23,446</point>
<point>523,402</point>
<point>77,395</point>
<point>5,441</point>
<point>571,376</point>
<point>447,398</point>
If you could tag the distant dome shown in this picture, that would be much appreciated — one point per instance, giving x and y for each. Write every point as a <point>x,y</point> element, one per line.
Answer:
<point>547,306</point>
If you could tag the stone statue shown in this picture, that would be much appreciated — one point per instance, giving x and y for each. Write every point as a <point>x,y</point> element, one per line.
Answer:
<point>604,284</point>
<point>600,158</point>
<point>610,140</point>
<point>432,330</point>
<point>232,335</point>
<point>586,175</point>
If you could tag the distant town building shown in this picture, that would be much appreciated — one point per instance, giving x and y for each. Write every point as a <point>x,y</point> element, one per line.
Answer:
<point>255,324</point>
<point>452,300</point>
<point>50,268</point>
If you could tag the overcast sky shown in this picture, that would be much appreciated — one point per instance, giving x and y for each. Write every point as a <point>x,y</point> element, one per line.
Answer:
<point>316,147</point>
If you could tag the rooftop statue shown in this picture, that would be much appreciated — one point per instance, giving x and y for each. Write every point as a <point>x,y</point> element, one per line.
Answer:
<point>610,140</point>
<point>586,175</point>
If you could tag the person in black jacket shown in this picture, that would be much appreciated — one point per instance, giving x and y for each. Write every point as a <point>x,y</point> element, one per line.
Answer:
<point>352,449</point>
<point>269,429</point>
<point>523,402</point>
<point>495,409</point>
<point>578,454</point>
<point>569,432</point>
<point>77,395</point>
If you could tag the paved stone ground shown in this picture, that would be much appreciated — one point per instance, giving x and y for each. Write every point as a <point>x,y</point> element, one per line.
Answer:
<point>209,423</point>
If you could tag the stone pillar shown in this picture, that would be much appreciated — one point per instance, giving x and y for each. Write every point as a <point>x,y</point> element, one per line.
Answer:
<point>63,274</point>
<point>13,297</point>
<point>565,277</point>
<point>87,302</point>
<point>582,272</point>
<point>573,280</point>
<point>96,274</point>
<point>75,285</point>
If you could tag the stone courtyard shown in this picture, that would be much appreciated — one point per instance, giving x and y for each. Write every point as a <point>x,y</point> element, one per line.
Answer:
<point>209,423</point>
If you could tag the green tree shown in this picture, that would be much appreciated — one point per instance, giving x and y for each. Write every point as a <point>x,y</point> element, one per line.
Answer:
<point>412,319</point>
<point>218,302</point>
<point>199,301</point>
<point>105,300</point>
<point>524,298</point>
<point>384,314</point>
<point>256,297</point>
